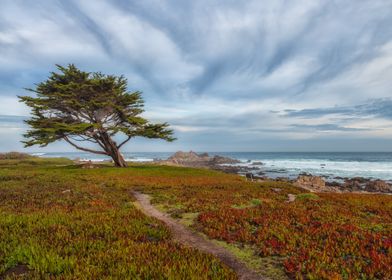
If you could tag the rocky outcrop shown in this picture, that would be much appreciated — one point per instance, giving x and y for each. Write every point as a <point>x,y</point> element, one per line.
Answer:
<point>315,184</point>
<point>223,160</point>
<point>363,184</point>
<point>356,184</point>
<point>312,183</point>
<point>192,159</point>
<point>378,186</point>
<point>88,165</point>
<point>187,157</point>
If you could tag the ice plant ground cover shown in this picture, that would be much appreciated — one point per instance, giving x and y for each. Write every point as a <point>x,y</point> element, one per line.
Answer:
<point>69,223</point>
<point>66,222</point>
<point>318,236</point>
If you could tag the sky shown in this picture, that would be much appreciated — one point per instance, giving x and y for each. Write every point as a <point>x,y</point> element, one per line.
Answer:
<point>243,75</point>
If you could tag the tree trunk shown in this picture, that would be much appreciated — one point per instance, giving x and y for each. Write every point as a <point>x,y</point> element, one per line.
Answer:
<point>118,158</point>
<point>113,151</point>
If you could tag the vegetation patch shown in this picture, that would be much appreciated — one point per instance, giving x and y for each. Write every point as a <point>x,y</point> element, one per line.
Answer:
<point>67,223</point>
<point>72,223</point>
<point>253,203</point>
<point>310,196</point>
<point>270,267</point>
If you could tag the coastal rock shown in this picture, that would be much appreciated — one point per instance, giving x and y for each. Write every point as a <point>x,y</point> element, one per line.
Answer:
<point>88,165</point>
<point>312,183</point>
<point>333,184</point>
<point>354,184</point>
<point>193,159</point>
<point>378,186</point>
<point>223,160</point>
<point>291,197</point>
<point>191,156</point>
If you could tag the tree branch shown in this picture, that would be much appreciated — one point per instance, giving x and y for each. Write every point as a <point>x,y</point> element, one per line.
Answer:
<point>125,141</point>
<point>82,148</point>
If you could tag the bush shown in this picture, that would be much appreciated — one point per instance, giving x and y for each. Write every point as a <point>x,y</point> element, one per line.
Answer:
<point>14,155</point>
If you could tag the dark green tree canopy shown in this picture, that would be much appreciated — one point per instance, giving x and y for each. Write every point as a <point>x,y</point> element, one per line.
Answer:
<point>78,106</point>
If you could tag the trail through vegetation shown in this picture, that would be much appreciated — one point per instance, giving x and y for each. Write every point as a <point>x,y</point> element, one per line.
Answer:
<point>187,237</point>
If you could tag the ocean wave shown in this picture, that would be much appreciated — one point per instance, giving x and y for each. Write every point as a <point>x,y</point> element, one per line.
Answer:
<point>380,170</point>
<point>38,154</point>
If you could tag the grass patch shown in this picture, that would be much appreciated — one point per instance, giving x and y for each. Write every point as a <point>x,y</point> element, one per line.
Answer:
<point>308,196</point>
<point>188,219</point>
<point>270,267</point>
<point>253,203</point>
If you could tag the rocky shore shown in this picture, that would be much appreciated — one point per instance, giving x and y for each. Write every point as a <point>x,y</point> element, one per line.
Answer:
<point>253,172</point>
<point>358,184</point>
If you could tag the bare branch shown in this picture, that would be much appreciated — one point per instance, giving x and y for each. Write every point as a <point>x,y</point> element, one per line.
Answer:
<point>125,141</point>
<point>82,148</point>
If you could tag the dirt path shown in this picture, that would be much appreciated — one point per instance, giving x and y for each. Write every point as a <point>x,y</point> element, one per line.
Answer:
<point>186,236</point>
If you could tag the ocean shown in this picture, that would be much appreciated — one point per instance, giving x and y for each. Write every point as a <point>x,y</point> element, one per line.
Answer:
<point>282,164</point>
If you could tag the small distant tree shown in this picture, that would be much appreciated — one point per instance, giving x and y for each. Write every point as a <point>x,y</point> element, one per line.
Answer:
<point>78,106</point>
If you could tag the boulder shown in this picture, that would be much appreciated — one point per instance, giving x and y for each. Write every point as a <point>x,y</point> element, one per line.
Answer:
<point>312,183</point>
<point>223,160</point>
<point>354,185</point>
<point>88,165</point>
<point>378,186</point>
<point>291,197</point>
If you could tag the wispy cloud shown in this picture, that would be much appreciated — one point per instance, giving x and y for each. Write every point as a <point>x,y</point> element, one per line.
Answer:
<point>380,108</point>
<point>218,65</point>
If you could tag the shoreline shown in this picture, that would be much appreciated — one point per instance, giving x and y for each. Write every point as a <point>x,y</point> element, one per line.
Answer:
<point>258,171</point>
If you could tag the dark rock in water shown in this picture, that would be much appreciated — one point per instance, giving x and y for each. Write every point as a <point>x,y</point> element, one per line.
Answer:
<point>257,163</point>
<point>277,171</point>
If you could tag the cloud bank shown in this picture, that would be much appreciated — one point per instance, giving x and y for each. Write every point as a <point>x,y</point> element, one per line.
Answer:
<point>228,75</point>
